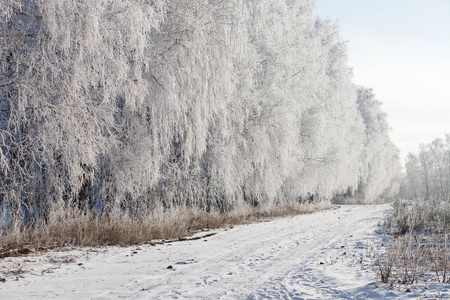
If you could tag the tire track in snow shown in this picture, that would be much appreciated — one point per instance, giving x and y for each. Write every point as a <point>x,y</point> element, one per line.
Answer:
<point>292,284</point>
<point>258,255</point>
<point>302,267</point>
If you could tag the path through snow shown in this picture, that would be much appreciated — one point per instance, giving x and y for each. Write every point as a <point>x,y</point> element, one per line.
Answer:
<point>316,256</point>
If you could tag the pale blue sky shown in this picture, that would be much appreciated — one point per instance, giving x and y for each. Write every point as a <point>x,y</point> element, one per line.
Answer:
<point>400,48</point>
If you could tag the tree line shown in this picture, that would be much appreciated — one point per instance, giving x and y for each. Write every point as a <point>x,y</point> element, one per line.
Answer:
<point>428,171</point>
<point>133,105</point>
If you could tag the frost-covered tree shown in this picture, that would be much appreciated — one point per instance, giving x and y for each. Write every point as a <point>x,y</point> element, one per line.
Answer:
<point>332,129</point>
<point>132,106</point>
<point>428,171</point>
<point>65,64</point>
<point>411,184</point>
<point>381,167</point>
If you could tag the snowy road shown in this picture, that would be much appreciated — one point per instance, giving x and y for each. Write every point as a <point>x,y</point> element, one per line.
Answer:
<point>321,255</point>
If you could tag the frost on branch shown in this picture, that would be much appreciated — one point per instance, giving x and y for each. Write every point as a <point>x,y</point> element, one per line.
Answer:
<point>135,105</point>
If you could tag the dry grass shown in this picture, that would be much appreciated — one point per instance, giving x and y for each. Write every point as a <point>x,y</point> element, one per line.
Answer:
<point>415,258</point>
<point>75,227</point>
<point>420,248</point>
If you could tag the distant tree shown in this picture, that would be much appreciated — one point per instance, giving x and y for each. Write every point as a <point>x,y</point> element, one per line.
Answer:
<point>428,172</point>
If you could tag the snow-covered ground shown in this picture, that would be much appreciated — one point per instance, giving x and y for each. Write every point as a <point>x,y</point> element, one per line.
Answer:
<point>325,255</point>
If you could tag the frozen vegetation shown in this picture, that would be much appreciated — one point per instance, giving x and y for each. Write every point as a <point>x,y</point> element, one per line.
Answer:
<point>417,252</point>
<point>119,112</point>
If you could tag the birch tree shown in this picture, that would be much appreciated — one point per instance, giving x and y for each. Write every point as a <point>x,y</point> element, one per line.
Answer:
<point>380,173</point>
<point>135,106</point>
<point>428,171</point>
<point>66,65</point>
